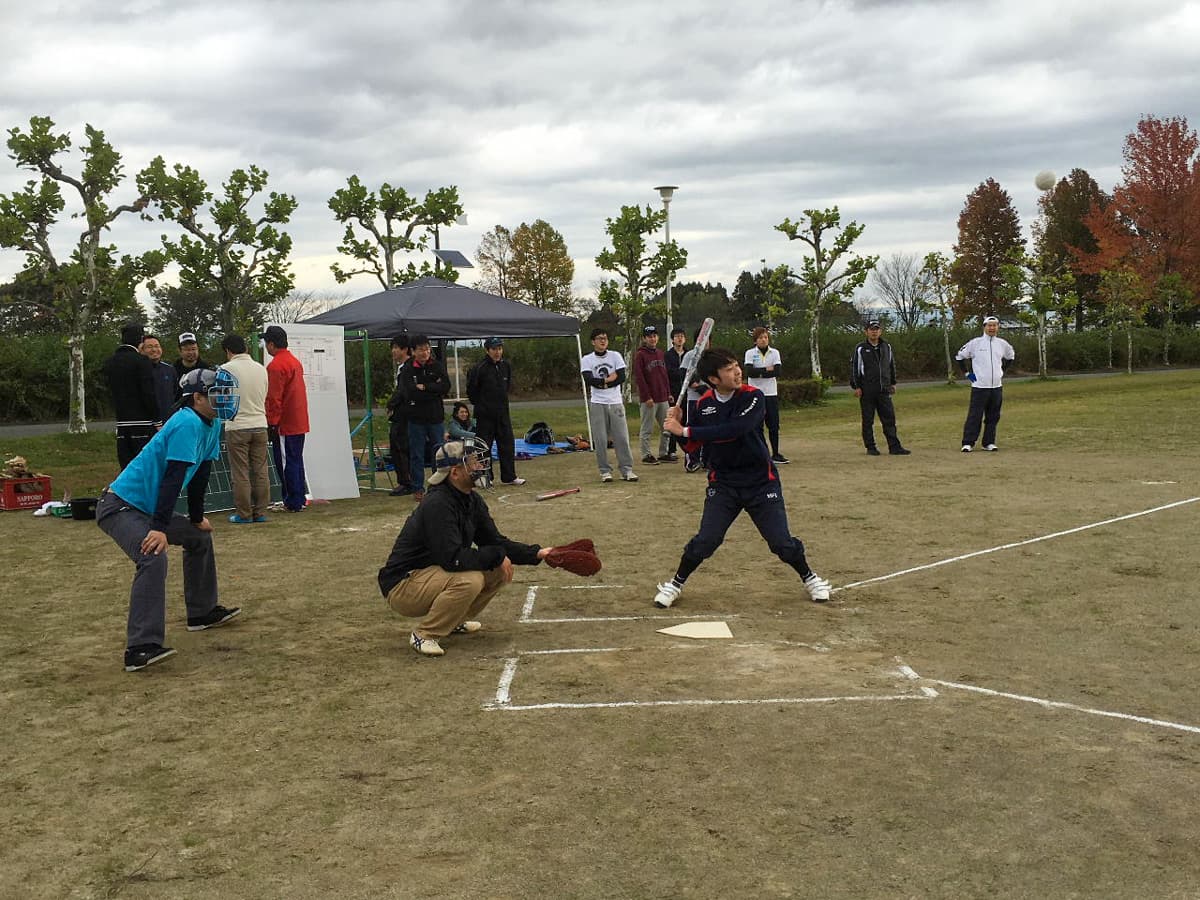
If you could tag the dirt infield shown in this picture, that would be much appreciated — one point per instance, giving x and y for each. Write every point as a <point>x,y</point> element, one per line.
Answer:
<point>1022,722</point>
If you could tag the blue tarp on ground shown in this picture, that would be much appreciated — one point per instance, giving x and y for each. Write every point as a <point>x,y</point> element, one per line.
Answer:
<point>534,449</point>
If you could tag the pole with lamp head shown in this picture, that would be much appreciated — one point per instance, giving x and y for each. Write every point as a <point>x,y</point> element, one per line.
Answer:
<point>666,191</point>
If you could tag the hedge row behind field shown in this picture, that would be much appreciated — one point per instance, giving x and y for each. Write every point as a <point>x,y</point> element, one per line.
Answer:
<point>34,382</point>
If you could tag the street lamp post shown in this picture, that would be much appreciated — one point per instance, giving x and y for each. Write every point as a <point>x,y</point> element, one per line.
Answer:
<point>666,191</point>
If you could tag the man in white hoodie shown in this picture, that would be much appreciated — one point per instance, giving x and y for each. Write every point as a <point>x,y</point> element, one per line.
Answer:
<point>990,356</point>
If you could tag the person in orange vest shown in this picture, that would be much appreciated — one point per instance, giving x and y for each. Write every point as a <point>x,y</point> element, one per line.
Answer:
<point>287,416</point>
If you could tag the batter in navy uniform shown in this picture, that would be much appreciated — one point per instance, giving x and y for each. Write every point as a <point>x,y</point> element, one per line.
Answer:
<point>741,474</point>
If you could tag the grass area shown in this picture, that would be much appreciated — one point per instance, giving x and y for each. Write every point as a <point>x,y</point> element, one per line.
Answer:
<point>306,751</point>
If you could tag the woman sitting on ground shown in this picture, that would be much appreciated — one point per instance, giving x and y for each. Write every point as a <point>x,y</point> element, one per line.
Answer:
<point>462,426</point>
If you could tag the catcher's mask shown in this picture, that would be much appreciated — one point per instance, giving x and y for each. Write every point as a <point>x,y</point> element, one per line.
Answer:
<point>219,385</point>
<point>475,455</point>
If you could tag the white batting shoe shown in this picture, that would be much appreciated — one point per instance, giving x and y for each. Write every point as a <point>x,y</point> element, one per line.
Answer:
<point>667,592</point>
<point>818,587</point>
<point>990,448</point>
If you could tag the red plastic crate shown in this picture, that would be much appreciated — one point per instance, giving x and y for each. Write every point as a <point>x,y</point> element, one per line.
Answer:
<point>24,493</point>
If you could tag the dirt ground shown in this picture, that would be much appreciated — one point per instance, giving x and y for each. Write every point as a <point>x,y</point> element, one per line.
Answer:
<point>844,750</point>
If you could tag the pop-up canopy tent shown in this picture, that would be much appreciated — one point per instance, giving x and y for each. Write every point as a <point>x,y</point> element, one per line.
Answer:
<point>440,309</point>
<point>443,310</point>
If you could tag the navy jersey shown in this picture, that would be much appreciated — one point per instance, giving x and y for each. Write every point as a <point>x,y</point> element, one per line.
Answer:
<point>731,432</point>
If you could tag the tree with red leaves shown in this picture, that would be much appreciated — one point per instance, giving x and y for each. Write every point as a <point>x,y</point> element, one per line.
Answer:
<point>1063,233</point>
<point>989,233</point>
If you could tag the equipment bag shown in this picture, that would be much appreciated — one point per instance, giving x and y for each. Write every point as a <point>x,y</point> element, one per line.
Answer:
<point>539,433</point>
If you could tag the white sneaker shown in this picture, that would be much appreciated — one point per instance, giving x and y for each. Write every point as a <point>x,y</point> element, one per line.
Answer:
<point>667,592</point>
<point>606,477</point>
<point>514,481</point>
<point>966,448</point>
<point>818,587</point>
<point>629,476</point>
<point>467,627</point>
<point>991,448</point>
<point>426,646</point>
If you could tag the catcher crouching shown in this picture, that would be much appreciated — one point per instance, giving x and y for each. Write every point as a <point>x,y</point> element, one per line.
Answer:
<point>450,560</point>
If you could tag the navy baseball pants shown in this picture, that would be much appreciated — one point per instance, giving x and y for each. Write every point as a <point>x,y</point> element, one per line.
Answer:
<point>764,503</point>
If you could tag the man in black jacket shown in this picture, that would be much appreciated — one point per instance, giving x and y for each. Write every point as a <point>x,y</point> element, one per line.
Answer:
<point>424,383</point>
<point>873,378</point>
<point>675,373</point>
<point>398,421</point>
<point>488,385</point>
<point>189,358</point>
<point>450,559</point>
<point>131,378</point>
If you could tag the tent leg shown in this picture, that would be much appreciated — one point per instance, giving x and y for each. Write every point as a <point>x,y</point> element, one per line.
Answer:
<point>457,389</point>
<point>587,418</point>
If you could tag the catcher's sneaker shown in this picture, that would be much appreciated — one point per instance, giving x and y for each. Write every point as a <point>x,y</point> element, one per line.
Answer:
<point>425,646</point>
<point>468,627</point>
<point>217,616</point>
<point>667,592</point>
<point>818,587</point>
<point>990,448</point>
<point>606,477</point>
<point>966,448</point>
<point>139,657</point>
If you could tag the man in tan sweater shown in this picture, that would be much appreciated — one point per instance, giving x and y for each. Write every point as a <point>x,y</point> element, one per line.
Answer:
<point>246,436</point>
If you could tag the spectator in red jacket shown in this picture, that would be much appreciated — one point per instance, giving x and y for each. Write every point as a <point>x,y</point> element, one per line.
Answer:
<point>287,416</point>
<point>654,393</point>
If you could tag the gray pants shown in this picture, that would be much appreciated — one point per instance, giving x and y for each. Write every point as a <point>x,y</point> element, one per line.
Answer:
<point>650,415</point>
<point>148,596</point>
<point>608,421</point>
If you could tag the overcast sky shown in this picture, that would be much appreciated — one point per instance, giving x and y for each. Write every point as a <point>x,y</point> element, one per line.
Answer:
<point>565,111</point>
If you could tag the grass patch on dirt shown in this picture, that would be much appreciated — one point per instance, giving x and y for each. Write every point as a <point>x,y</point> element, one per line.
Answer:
<point>307,752</point>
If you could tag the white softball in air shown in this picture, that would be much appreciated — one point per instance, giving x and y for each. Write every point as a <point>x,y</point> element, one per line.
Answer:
<point>1044,180</point>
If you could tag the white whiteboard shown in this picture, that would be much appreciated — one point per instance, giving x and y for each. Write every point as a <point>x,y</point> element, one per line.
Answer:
<point>328,456</point>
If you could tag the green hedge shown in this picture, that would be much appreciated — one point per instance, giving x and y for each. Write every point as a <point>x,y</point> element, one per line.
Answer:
<point>34,370</point>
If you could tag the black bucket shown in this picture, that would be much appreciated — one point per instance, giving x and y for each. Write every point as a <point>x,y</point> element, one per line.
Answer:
<point>83,507</point>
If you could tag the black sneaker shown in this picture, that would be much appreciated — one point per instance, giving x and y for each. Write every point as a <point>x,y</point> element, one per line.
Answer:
<point>779,458</point>
<point>219,615</point>
<point>649,460</point>
<point>872,451</point>
<point>402,491</point>
<point>900,451</point>
<point>139,657</point>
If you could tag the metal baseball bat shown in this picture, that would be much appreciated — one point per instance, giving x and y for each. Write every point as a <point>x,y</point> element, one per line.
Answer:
<point>702,337</point>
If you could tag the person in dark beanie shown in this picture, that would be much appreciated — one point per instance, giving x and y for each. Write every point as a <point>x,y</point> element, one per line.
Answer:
<point>873,380</point>
<point>130,377</point>
<point>488,385</point>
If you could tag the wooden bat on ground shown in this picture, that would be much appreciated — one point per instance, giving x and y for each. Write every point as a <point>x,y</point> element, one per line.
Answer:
<point>702,337</point>
<point>550,495</point>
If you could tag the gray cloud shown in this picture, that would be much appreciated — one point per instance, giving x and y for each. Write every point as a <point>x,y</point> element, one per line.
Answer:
<point>566,111</point>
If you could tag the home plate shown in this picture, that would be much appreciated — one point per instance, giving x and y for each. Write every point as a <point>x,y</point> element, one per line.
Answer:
<point>698,630</point>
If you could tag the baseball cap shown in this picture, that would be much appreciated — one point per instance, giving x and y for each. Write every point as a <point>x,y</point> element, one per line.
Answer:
<point>989,320</point>
<point>187,338</point>
<point>874,323</point>
<point>275,335</point>
<point>649,330</point>
<point>449,455</point>
<point>491,342</point>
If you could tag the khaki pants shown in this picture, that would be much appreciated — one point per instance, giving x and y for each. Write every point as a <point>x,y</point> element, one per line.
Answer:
<point>248,471</point>
<point>444,600</point>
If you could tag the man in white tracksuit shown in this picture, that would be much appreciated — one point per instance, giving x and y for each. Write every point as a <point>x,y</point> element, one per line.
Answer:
<point>990,356</point>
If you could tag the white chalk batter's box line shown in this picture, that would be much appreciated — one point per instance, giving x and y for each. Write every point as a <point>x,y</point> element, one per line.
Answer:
<point>531,595</point>
<point>503,697</point>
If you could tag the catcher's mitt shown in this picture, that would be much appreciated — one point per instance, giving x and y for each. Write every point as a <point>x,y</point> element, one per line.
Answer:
<point>577,557</point>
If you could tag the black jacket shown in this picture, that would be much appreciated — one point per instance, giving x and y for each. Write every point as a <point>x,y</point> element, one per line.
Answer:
<point>166,388</point>
<point>455,531</point>
<point>872,369</point>
<point>674,373</point>
<point>395,404</point>
<point>424,407</point>
<point>131,378</point>
<point>181,370</point>
<point>488,386</point>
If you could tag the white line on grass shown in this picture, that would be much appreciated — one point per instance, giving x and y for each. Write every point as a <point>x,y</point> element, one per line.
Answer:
<point>530,599</point>
<point>1058,704</point>
<point>506,677</point>
<point>573,650</point>
<point>1048,704</point>
<point>622,619</point>
<point>622,704</point>
<point>1044,537</point>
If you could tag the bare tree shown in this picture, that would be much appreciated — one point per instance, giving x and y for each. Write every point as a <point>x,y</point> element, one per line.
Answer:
<point>299,305</point>
<point>495,258</point>
<point>898,282</point>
